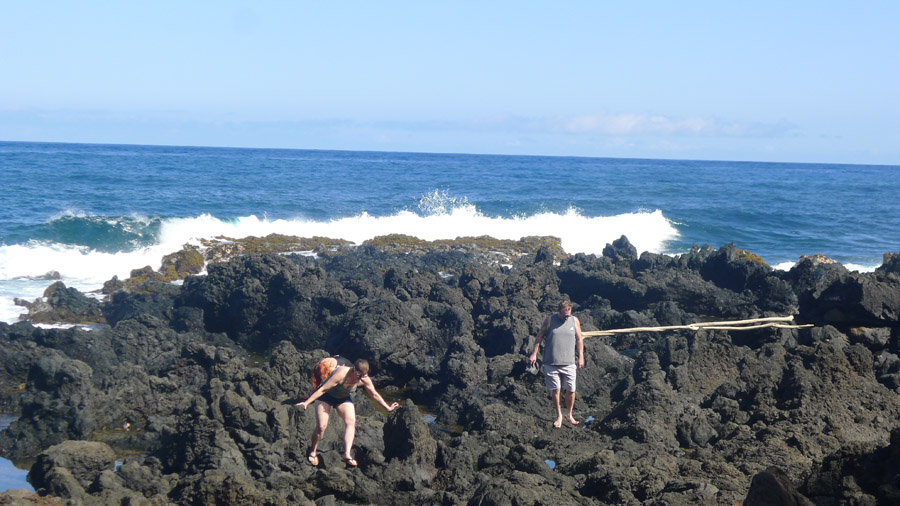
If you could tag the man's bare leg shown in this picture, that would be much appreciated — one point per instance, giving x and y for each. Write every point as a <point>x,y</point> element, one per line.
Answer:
<point>554,394</point>
<point>570,404</point>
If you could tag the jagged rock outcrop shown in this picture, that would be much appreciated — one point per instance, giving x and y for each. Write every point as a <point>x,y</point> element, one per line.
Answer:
<point>61,304</point>
<point>202,379</point>
<point>70,468</point>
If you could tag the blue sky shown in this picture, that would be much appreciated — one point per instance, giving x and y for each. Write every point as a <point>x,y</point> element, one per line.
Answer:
<point>769,81</point>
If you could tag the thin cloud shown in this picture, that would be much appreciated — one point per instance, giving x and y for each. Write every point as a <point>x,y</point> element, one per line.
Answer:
<point>629,124</point>
<point>590,125</point>
<point>619,125</point>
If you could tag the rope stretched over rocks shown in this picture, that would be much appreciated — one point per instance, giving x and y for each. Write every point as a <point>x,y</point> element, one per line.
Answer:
<point>751,324</point>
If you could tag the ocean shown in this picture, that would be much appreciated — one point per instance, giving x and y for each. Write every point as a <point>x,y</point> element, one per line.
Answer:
<point>90,212</point>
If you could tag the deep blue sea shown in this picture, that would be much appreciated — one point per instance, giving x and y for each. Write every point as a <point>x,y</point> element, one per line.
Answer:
<point>93,211</point>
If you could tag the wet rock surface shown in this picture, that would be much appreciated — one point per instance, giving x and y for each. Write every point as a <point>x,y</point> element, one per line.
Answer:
<point>193,387</point>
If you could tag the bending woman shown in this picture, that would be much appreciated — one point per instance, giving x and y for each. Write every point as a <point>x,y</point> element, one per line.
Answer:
<point>336,392</point>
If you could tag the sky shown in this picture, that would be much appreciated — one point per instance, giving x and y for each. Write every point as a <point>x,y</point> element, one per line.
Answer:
<point>758,81</point>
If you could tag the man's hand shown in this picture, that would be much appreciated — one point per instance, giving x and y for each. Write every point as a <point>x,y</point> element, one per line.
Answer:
<point>581,363</point>
<point>392,407</point>
<point>533,358</point>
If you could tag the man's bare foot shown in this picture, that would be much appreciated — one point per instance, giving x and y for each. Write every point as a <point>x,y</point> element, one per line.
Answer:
<point>558,422</point>
<point>572,420</point>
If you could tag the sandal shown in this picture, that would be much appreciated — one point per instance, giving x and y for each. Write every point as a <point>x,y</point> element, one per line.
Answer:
<point>350,462</point>
<point>313,460</point>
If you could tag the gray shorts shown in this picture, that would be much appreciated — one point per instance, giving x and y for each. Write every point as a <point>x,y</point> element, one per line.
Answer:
<point>556,376</point>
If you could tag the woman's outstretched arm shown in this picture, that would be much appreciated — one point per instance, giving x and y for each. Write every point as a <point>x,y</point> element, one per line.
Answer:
<point>370,388</point>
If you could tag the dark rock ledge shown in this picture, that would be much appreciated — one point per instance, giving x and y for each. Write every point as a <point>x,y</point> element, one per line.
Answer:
<point>192,387</point>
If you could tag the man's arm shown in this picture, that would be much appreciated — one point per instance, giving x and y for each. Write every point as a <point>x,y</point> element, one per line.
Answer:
<point>540,337</point>
<point>579,343</point>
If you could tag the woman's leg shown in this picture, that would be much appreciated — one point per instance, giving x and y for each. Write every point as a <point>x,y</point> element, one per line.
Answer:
<point>323,410</point>
<point>347,412</point>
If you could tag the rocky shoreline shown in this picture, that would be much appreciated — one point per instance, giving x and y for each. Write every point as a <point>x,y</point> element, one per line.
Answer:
<point>192,386</point>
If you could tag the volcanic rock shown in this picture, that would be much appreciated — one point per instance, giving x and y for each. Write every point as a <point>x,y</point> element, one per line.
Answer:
<point>60,304</point>
<point>70,468</point>
<point>201,380</point>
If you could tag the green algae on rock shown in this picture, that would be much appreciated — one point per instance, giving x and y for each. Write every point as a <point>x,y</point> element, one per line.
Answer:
<point>399,243</point>
<point>224,248</point>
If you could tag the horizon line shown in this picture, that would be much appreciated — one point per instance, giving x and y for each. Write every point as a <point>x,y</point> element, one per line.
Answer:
<point>447,153</point>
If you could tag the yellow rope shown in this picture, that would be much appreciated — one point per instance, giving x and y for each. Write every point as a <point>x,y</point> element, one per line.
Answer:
<point>773,322</point>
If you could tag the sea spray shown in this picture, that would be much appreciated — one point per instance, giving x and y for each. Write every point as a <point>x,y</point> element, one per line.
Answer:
<point>578,233</point>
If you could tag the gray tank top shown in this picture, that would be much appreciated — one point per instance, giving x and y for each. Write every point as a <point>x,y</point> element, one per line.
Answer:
<point>559,347</point>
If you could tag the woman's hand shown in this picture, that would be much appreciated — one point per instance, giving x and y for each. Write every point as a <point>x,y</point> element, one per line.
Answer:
<point>392,407</point>
<point>304,404</point>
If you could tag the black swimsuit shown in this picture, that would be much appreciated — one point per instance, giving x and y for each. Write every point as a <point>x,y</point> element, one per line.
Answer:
<point>333,401</point>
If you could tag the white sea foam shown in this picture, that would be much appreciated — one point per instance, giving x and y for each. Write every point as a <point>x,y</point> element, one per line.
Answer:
<point>75,263</point>
<point>9,312</point>
<point>860,268</point>
<point>87,269</point>
<point>63,326</point>
<point>648,231</point>
<point>786,266</point>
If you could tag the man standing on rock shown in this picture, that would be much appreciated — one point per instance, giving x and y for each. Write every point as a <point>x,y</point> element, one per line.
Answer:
<point>563,333</point>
